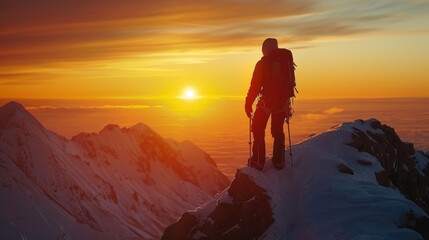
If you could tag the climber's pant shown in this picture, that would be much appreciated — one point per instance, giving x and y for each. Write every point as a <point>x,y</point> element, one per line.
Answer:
<point>259,123</point>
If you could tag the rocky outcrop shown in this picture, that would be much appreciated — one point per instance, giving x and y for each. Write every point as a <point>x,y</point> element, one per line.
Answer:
<point>244,213</point>
<point>398,159</point>
<point>345,169</point>
<point>418,224</point>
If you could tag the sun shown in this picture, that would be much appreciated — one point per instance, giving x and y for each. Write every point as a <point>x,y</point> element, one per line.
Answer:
<point>189,93</point>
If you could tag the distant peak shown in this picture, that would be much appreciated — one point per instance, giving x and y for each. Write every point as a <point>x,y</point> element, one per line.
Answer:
<point>111,127</point>
<point>12,107</point>
<point>141,127</point>
<point>15,112</point>
<point>115,129</point>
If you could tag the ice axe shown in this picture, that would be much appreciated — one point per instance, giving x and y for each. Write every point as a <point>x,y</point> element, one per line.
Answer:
<point>290,142</point>
<point>250,140</point>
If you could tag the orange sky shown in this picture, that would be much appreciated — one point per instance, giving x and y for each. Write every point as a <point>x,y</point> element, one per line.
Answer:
<point>151,49</point>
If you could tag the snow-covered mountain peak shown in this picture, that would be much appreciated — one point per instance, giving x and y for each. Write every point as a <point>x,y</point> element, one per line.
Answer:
<point>355,181</point>
<point>12,107</point>
<point>189,148</point>
<point>120,183</point>
<point>110,127</point>
<point>141,127</point>
<point>14,114</point>
<point>139,130</point>
<point>113,144</point>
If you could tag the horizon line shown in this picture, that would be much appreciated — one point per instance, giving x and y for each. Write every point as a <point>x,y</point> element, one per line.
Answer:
<point>212,97</point>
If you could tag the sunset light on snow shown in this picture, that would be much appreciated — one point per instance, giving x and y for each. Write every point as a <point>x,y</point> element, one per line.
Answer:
<point>214,119</point>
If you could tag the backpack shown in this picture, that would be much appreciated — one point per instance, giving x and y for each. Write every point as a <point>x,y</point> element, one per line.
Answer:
<point>283,72</point>
<point>279,85</point>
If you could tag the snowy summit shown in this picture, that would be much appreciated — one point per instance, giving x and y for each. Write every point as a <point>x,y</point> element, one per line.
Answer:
<point>356,181</point>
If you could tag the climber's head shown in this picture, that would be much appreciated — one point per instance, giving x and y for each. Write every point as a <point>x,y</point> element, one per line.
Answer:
<point>269,45</point>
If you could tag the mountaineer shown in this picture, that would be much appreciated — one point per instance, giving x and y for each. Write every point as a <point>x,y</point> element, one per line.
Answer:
<point>273,82</point>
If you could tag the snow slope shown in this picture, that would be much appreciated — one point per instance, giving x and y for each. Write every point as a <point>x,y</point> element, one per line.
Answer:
<point>356,181</point>
<point>122,183</point>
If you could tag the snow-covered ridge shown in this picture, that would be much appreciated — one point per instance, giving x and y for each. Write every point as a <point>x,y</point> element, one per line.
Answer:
<point>355,181</point>
<point>120,183</point>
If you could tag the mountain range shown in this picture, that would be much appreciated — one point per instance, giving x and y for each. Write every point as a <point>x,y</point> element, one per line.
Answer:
<point>120,183</point>
<point>356,181</point>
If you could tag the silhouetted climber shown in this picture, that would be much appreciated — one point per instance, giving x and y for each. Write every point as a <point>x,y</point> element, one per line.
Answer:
<point>274,82</point>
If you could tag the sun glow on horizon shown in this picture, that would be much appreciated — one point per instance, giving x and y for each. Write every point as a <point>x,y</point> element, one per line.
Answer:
<point>189,94</point>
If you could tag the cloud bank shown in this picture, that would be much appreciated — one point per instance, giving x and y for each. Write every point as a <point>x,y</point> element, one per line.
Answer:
<point>43,33</point>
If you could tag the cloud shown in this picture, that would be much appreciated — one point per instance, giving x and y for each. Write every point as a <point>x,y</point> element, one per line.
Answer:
<point>333,110</point>
<point>324,115</point>
<point>314,116</point>
<point>134,106</point>
<point>83,34</point>
<point>25,78</point>
<point>69,33</point>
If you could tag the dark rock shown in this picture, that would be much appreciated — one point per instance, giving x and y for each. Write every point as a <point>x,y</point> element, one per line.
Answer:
<point>376,124</point>
<point>364,162</point>
<point>382,178</point>
<point>247,217</point>
<point>345,169</point>
<point>180,230</point>
<point>398,160</point>
<point>422,227</point>
<point>243,188</point>
<point>418,224</point>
